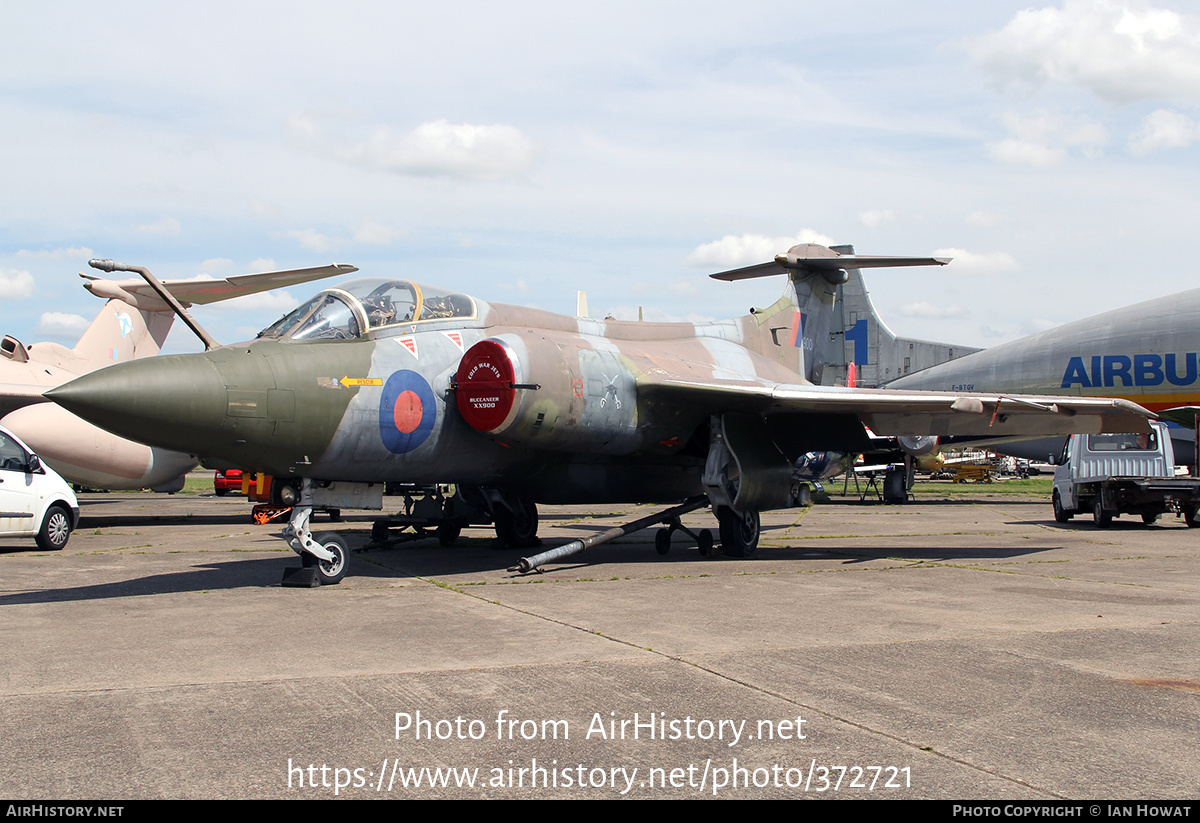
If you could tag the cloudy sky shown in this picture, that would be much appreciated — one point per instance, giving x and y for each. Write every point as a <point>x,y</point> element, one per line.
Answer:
<point>521,151</point>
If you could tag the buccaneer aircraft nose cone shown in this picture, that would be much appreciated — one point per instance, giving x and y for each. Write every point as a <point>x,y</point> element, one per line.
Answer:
<point>174,401</point>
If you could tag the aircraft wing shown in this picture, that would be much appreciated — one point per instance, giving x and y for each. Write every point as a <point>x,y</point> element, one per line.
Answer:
<point>238,285</point>
<point>1181,415</point>
<point>895,413</point>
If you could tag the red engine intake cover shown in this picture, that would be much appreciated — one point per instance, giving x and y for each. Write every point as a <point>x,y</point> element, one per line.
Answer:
<point>485,379</point>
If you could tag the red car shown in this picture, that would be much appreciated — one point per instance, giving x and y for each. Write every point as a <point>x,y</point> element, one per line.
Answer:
<point>227,481</point>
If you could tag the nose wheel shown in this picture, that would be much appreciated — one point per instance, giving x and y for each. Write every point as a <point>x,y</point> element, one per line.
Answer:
<point>329,571</point>
<point>516,527</point>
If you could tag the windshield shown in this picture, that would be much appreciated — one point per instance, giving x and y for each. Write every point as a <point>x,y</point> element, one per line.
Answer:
<point>1146,441</point>
<point>365,305</point>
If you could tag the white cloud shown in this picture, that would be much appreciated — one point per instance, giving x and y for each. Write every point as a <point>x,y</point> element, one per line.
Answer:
<point>876,218</point>
<point>443,149</point>
<point>168,226</point>
<point>930,310</point>
<point>1120,50</point>
<point>71,253</point>
<point>57,324</point>
<point>304,128</point>
<point>266,210</point>
<point>983,219</point>
<point>1025,153</point>
<point>15,284</point>
<point>735,251</point>
<point>376,234</point>
<point>312,239</point>
<point>216,263</point>
<point>1164,129</point>
<point>1045,139</point>
<point>970,262</point>
<point>261,264</point>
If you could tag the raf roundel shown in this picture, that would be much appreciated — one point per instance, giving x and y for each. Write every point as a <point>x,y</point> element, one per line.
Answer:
<point>407,412</point>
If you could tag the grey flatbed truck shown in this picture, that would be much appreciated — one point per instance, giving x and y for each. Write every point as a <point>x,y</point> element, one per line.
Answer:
<point>1114,474</point>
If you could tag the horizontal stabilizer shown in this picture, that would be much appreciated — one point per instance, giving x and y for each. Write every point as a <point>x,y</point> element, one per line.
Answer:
<point>814,257</point>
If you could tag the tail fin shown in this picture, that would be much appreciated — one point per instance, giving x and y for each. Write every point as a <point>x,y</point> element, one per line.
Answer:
<point>119,333</point>
<point>861,341</point>
<point>804,317</point>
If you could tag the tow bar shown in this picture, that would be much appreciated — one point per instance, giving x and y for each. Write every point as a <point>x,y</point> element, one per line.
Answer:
<point>669,517</point>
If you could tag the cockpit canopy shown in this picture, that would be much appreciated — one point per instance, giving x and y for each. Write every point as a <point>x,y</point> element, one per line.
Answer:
<point>362,306</point>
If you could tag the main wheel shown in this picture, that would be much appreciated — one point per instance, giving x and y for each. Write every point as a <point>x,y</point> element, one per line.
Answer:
<point>1101,516</point>
<point>332,571</point>
<point>894,488</point>
<point>517,529</point>
<point>447,534</point>
<point>739,531</point>
<point>1061,515</point>
<point>56,529</point>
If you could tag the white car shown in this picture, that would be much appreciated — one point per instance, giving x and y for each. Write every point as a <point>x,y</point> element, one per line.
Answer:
<point>34,500</point>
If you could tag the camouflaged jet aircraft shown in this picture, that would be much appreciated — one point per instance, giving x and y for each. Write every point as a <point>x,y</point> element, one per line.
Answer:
<point>387,380</point>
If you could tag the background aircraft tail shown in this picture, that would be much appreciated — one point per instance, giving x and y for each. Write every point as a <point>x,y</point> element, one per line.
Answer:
<point>826,315</point>
<point>860,337</point>
<point>119,332</point>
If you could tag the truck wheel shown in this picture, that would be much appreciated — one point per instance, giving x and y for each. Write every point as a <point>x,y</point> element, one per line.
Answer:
<point>1190,517</point>
<point>1149,519</point>
<point>1061,515</point>
<point>1101,516</point>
